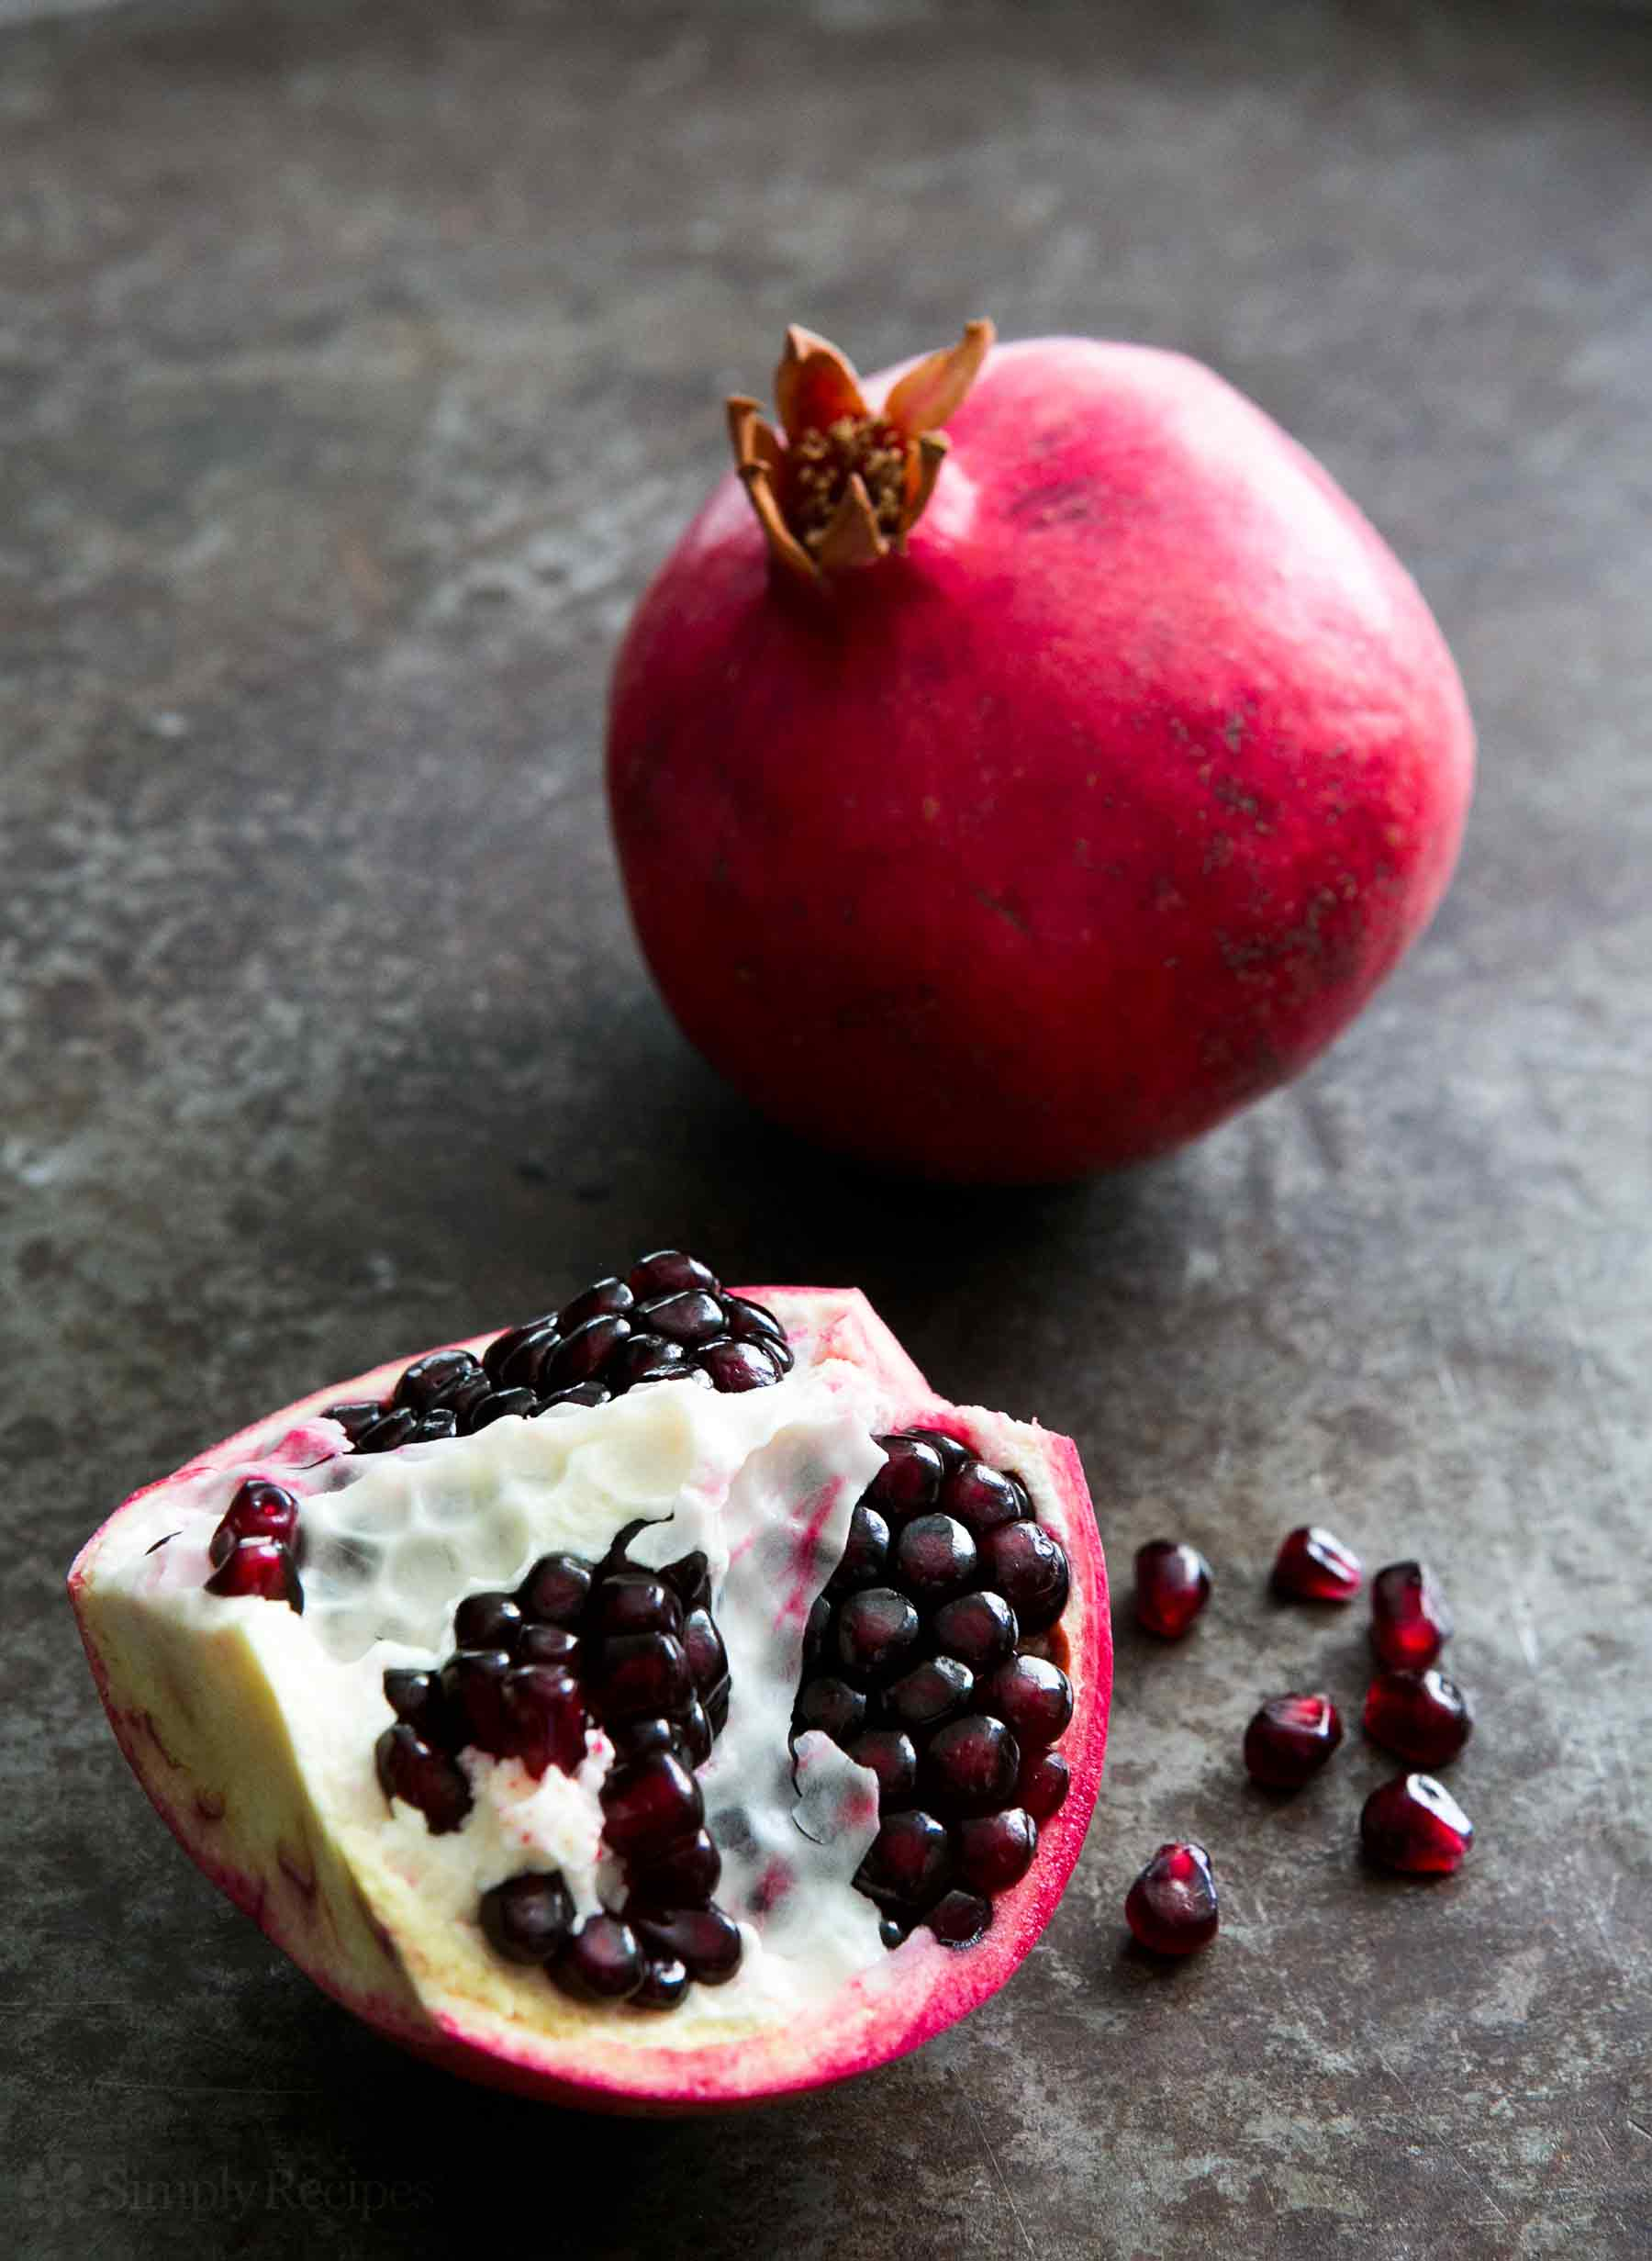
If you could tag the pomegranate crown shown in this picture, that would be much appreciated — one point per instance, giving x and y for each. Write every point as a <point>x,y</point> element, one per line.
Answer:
<point>846,484</point>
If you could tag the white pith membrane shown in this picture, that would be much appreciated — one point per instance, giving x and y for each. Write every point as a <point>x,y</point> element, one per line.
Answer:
<point>764,1483</point>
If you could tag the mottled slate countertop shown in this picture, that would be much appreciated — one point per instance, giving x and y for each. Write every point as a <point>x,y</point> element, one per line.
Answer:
<point>356,364</point>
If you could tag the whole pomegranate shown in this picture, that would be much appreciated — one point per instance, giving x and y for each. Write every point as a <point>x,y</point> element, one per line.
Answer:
<point>1014,804</point>
<point>654,1707</point>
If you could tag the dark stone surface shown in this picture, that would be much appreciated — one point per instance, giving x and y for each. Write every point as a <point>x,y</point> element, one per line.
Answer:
<point>356,363</point>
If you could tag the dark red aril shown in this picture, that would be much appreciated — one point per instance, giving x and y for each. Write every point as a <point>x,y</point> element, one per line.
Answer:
<point>410,1770</point>
<point>970,1765</point>
<point>644,1673</point>
<point>603,1298</point>
<point>634,1739</point>
<point>1413,1824</point>
<point>1042,1783</point>
<point>1409,1621</point>
<point>876,1632</point>
<point>865,1551</point>
<point>1033,1698</point>
<point>415,1697</point>
<point>703,1644</point>
<point>952,1452</point>
<point>579,1356</point>
<point>602,1961</point>
<point>528,1917</point>
<point>665,1983</point>
<point>1171,1906</point>
<point>689,1317</point>
<point>668,1271</point>
<point>690,1579</point>
<point>960,1919</point>
<point>893,1758</point>
<point>422,1383</point>
<point>1422,1718</point>
<point>909,1863</point>
<point>1289,1739</point>
<point>934,1559</point>
<point>472,1687</point>
<point>504,1346</point>
<point>910,1479</point>
<point>355,1416</point>
<point>519,1403</point>
<point>1313,1565</point>
<point>520,1365</point>
<point>1027,1566</point>
<point>637,1601</point>
<point>750,1322</point>
<point>649,1803</point>
<point>547,1644</point>
<point>702,1939</point>
<point>487,1621</point>
<point>544,1718</point>
<point>735,1366</point>
<point>831,1706</point>
<point>260,1569</point>
<point>389,1432</point>
<point>685,1875</point>
<point>645,1358</point>
<point>694,1733</point>
<point>259,1510</point>
<point>584,1393</point>
<point>980,1498</point>
<point>556,1590</point>
<point>436,1428</point>
<point>938,1689</point>
<point>995,1850</point>
<point>979,1629</point>
<point>1172,1585</point>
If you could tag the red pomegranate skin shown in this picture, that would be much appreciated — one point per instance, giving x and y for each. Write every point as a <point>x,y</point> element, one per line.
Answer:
<point>1042,848</point>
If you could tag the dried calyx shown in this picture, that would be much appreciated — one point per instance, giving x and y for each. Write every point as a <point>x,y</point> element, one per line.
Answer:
<point>841,485</point>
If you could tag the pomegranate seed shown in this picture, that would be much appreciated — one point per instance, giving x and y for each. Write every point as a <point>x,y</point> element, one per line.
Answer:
<point>936,1690</point>
<point>703,1644</point>
<point>1313,1565</point>
<point>733,1366</point>
<point>643,1676</point>
<point>355,1416</point>
<point>995,1850</point>
<point>977,1629</point>
<point>1289,1740</point>
<point>390,1431</point>
<point>1033,1698</point>
<point>685,1875</point>
<point>690,1316</point>
<point>1419,1717</point>
<point>602,1961</point>
<point>547,1644</point>
<point>893,1758</point>
<point>556,1590</point>
<point>834,1707</point>
<point>910,1479</point>
<point>1172,1585</point>
<point>1171,1906</point>
<point>260,1568</point>
<point>1415,1824</point>
<point>865,1551</point>
<point>664,1986</point>
<point>487,1621</point>
<point>603,1298</point>
<point>1026,1566</point>
<point>473,1686</point>
<point>1042,1783</point>
<point>544,1718</point>
<point>909,1862</point>
<point>636,1601</point>
<point>702,1939</point>
<point>669,1272</point>
<point>935,1557</point>
<point>877,1631</point>
<point>648,1803</point>
<point>259,1510</point>
<point>416,1697</point>
<point>425,1383</point>
<point>408,1769</point>
<point>981,1498</point>
<point>1409,1621</point>
<point>960,1919</point>
<point>527,1917</point>
<point>971,1766</point>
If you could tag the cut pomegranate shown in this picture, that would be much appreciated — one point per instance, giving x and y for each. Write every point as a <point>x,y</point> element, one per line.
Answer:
<point>1313,1565</point>
<point>1422,1718</point>
<point>680,1651</point>
<point>1172,1585</point>
<point>1289,1740</point>
<point>1171,1907</point>
<point>1413,1824</point>
<point>1409,1621</point>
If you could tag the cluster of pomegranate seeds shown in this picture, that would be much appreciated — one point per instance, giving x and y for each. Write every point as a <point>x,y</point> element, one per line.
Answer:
<point>637,1652</point>
<point>1172,1585</point>
<point>925,1659</point>
<point>669,1319</point>
<point>1409,1621</point>
<point>1413,1824</point>
<point>1313,1565</point>
<point>1289,1739</point>
<point>1171,1907</point>
<point>1422,1718</point>
<point>255,1549</point>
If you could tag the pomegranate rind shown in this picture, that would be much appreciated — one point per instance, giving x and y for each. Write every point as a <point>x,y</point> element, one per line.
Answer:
<point>191,1716</point>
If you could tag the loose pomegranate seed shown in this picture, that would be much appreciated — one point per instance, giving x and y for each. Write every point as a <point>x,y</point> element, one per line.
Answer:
<point>893,1758</point>
<point>1171,1906</point>
<point>877,1631</point>
<point>834,1707</point>
<point>649,1803</point>
<point>408,1769</point>
<point>935,1690</point>
<point>995,1850</point>
<point>1409,1621</point>
<point>1033,1698</point>
<point>1289,1740</point>
<point>960,1919</point>
<point>702,1939</point>
<point>261,1569</point>
<point>910,1479</point>
<point>259,1510</point>
<point>1042,1783</point>
<point>1419,1717</point>
<point>978,1629</point>
<point>602,1961</point>
<point>1027,1566</point>
<point>527,1918</point>
<point>1415,1824</point>
<point>909,1862</point>
<point>1172,1585</point>
<point>934,1558</point>
<point>971,1765</point>
<point>1313,1565</point>
<point>980,1498</point>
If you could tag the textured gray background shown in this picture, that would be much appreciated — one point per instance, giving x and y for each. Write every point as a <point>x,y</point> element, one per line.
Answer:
<point>356,363</point>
